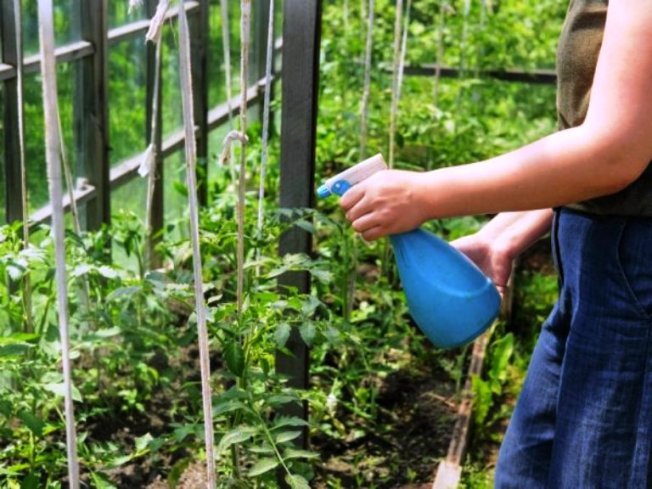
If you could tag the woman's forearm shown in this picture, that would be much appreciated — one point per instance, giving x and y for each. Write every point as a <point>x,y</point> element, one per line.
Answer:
<point>522,230</point>
<point>568,166</point>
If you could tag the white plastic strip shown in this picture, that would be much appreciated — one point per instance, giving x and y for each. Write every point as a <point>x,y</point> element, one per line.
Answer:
<point>245,28</point>
<point>395,79</point>
<point>191,178</point>
<point>401,68</point>
<point>266,112</point>
<point>52,142</point>
<point>366,91</point>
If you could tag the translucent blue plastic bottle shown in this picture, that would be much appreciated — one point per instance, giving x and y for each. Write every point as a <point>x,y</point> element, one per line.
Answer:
<point>448,296</point>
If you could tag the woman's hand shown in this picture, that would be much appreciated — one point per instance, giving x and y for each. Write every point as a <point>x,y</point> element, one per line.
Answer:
<point>389,202</point>
<point>490,256</point>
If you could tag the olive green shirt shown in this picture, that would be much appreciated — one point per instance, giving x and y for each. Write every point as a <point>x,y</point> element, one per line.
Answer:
<point>577,57</point>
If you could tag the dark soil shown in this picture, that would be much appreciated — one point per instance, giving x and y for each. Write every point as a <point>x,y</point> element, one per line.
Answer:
<point>414,425</point>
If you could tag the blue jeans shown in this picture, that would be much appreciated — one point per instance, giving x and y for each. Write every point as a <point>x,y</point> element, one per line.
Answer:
<point>584,416</point>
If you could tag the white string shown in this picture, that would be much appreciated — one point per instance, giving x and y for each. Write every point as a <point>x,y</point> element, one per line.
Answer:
<point>245,27</point>
<point>395,80</point>
<point>191,169</point>
<point>443,8</point>
<point>366,91</point>
<point>401,69</point>
<point>226,49</point>
<point>156,24</point>
<point>52,142</point>
<point>266,113</point>
<point>27,284</point>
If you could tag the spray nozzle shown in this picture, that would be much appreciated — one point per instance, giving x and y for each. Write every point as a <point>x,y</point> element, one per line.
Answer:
<point>342,182</point>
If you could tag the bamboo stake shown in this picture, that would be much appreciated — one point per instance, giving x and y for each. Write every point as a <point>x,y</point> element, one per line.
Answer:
<point>395,79</point>
<point>52,142</point>
<point>266,113</point>
<point>245,27</point>
<point>191,176</point>
<point>27,283</point>
<point>366,91</point>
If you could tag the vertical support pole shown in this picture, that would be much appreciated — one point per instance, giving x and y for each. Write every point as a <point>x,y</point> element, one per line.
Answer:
<point>91,112</point>
<point>11,56</point>
<point>157,210</point>
<point>199,27</point>
<point>261,23</point>
<point>301,37</point>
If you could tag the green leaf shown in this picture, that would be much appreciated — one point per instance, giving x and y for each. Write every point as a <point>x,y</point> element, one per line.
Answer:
<point>482,399</point>
<point>262,466</point>
<point>291,453</point>
<point>282,334</point>
<point>59,389</point>
<point>234,355</point>
<point>14,349</point>
<point>227,407</point>
<point>308,331</point>
<point>287,436</point>
<point>279,399</point>
<point>237,435</point>
<point>501,353</point>
<point>30,482</point>
<point>282,422</point>
<point>142,442</point>
<point>101,482</point>
<point>296,482</point>
<point>34,424</point>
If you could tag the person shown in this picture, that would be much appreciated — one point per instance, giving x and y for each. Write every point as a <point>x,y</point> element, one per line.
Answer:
<point>584,417</point>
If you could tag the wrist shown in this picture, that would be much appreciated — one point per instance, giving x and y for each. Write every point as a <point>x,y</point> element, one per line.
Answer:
<point>505,246</point>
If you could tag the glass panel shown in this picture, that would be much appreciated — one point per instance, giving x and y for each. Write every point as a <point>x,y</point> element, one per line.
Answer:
<point>217,87</point>
<point>65,30</point>
<point>130,198</point>
<point>119,13</point>
<point>174,195</point>
<point>172,108</point>
<point>3,197</point>
<point>35,132</point>
<point>127,98</point>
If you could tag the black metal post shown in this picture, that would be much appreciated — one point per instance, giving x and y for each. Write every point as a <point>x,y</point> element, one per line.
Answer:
<point>11,56</point>
<point>91,112</point>
<point>157,210</point>
<point>199,28</point>
<point>301,38</point>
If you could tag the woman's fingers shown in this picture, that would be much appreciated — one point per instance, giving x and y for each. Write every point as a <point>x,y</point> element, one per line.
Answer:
<point>366,222</point>
<point>374,233</point>
<point>352,197</point>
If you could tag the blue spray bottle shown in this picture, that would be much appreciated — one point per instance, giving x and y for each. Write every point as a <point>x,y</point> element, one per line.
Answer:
<point>448,296</point>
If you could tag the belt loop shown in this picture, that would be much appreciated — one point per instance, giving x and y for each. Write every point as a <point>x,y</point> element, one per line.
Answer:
<point>554,239</point>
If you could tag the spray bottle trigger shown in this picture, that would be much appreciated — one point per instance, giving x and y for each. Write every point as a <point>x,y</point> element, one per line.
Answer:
<point>340,187</point>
